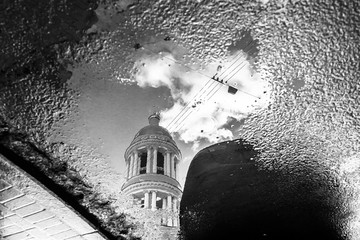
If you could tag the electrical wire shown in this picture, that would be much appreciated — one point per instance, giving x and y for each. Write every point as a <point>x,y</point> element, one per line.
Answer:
<point>237,56</point>
<point>242,64</point>
<point>180,116</point>
<point>205,75</point>
<point>209,80</point>
<point>245,50</point>
<point>218,86</point>
<point>235,59</point>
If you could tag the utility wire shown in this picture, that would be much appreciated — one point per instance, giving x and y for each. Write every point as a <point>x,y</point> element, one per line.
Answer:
<point>183,117</point>
<point>213,93</point>
<point>247,47</point>
<point>209,80</point>
<point>237,56</point>
<point>240,67</point>
<point>219,87</point>
<point>205,75</point>
<point>206,99</point>
<point>187,112</point>
<point>190,69</point>
<point>228,69</point>
<point>179,118</point>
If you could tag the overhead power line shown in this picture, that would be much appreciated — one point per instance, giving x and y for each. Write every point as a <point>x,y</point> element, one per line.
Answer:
<point>212,92</point>
<point>189,102</point>
<point>205,75</point>
<point>237,57</point>
<point>185,109</point>
<point>217,79</point>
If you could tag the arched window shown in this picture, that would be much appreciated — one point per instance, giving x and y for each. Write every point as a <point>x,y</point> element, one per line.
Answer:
<point>160,163</point>
<point>143,160</point>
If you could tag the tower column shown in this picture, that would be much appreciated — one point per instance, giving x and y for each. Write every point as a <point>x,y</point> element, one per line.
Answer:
<point>134,165</point>
<point>127,168</point>
<point>168,164</point>
<point>174,204</point>
<point>153,200</point>
<point>137,163</point>
<point>169,202</point>
<point>148,160</point>
<point>169,205</point>
<point>154,169</point>
<point>164,203</point>
<point>164,206</point>
<point>131,167</point>
<point>175,221</point>
<point>146,199</point>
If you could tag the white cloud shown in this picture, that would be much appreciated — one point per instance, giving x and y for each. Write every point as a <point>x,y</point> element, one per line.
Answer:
<point>207,106</point>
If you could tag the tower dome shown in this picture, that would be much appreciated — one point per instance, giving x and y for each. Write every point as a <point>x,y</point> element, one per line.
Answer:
<point>153,128</point>
<point>152,169</point>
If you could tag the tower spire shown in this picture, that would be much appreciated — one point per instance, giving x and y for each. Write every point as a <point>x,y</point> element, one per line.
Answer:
<point>154,117</point>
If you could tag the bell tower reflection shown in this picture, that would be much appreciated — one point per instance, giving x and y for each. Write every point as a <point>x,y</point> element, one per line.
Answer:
<point>152,169</point>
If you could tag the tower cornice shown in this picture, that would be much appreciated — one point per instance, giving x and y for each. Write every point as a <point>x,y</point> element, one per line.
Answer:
<point>151,140</point>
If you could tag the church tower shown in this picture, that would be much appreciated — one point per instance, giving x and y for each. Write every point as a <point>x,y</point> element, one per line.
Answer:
<point>152,169</point>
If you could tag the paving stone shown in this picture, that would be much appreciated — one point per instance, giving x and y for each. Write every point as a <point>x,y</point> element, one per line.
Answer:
<point>4,222</point>
<point>48,223</point>
<point>18,236</point>
<point>65,235</point>
<point>3,184</point>
<point>29,209</point>
<point>18,202</point>
<point>93,236</point>
<point>8,194</point>
<point>77,224</point>
<point>37,217</point>
<point>75,238</point>
<point>38,234</point>
<point>57,229</point>
<point>19,221</point>
<point>4,211</point>
<point>10,230</point>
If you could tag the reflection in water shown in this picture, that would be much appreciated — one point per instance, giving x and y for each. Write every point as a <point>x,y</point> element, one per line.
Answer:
<point>74,86</point>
